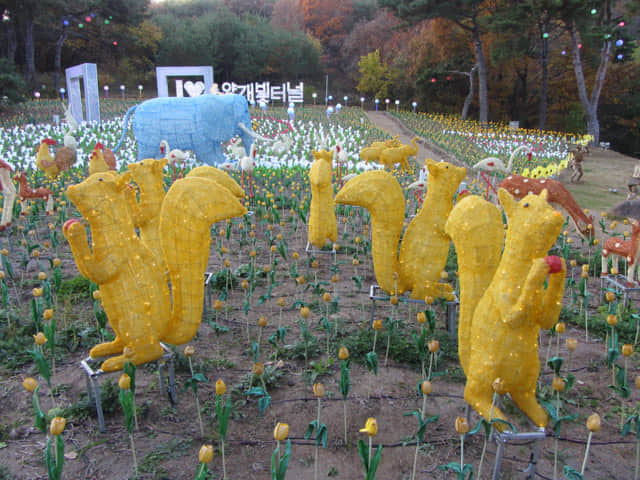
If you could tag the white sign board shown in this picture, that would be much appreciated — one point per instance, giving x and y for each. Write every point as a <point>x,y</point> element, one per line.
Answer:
<point>88,72</point>
<point>191,88</point>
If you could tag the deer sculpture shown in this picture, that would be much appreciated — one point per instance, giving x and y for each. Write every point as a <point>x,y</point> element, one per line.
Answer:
<point>25,192</point>
<point>558,195</point>
<point>8,194</point>
<point>629,249</point>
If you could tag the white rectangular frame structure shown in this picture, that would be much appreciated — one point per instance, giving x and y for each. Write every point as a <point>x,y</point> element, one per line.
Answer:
<point>88,72</point>
<point>162,74</point>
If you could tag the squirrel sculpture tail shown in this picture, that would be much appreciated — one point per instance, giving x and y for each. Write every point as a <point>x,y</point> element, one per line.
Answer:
<point>476,229</point>
<point>379,192</point>
<point>416,262</point>
<point>132,280</point>
<point>187,213</point>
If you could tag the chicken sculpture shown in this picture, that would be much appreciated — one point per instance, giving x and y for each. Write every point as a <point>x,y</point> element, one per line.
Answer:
<point>101,160</point>
<point>51,165</point>
<point>44,159</point>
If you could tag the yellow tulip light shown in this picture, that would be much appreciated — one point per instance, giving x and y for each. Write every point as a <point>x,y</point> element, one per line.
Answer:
<point>39,338</point>
<point>57,426</point>
<point>280,432</point>
<point>206,454</point>
<point>593,425</point>
<point>558,384</point>
<point>461,425</point>
<point>426,387</point>
<point>499,387</point>
<point>572,346</point>
<point>221,388</point>
<point>318,390</point>
<point>343,353</point>
<point>29,384</point>
<point>370,427</point>
<point>124,382</point>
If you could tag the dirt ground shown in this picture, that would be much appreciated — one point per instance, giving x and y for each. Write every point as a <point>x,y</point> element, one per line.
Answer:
<point>168,438</point>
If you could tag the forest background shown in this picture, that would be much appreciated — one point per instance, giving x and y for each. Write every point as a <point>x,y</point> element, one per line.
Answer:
<point>566,65</point>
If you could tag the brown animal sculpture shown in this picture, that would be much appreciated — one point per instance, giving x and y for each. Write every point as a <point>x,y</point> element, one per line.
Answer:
<point>373,151</point>
<point>27,193</point>
<point>629,249</point>
<point>8,193</point>
<point>558,195</point>
<point>390,156</point>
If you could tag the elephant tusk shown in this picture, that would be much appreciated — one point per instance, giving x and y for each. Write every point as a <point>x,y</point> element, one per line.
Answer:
<point>252,134</point>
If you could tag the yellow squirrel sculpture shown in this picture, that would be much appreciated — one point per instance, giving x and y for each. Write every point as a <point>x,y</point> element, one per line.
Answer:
<point>503,300</point>
<point>142,308</point>
<point>425,245</point>
<point>322,216</point>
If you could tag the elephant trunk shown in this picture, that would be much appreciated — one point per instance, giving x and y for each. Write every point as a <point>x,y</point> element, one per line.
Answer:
<point>249,134</point>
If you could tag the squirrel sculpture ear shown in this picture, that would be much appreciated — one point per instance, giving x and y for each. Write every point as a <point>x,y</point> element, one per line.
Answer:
<point>432,167</point>
<point>160,164</point>
<point>544,194</point>
<point>123,180</point>
<point>507,201</point>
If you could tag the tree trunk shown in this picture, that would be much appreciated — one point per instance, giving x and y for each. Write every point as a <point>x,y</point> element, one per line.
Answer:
<point>58,58</point>
<point>482,74</point>
<point>590,104</point>
<point>472,91</point>
<point>12,41</point>
<point>29,52</point>
<point>544,87</point>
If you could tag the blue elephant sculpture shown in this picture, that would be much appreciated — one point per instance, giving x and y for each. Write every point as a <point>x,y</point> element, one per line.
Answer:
<point>199,123</point>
